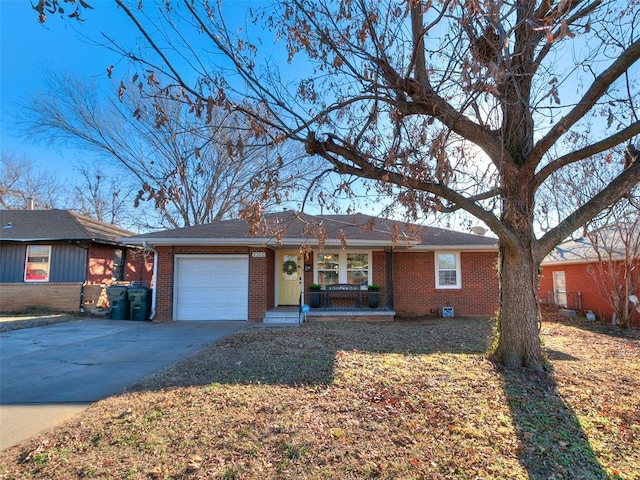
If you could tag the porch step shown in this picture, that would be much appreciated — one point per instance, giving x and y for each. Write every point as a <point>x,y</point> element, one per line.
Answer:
<point>279,317</point>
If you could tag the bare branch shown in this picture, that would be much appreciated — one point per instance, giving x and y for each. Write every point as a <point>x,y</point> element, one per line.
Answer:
<point>618,138</point>
<point>598,88</point>
<point>607,196</point>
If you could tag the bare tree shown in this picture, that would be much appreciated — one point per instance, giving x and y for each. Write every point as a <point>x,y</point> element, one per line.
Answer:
<point>613,235</point>
<point>195,169</point>
<point>24,186</point>
<point>446,105</point>
<point>617,270</point>
<point>100,195</point>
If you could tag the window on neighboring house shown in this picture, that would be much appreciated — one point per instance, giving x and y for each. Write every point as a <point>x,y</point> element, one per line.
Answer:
<point>37,263</point>
<point>447,270</point>
<point>342,267</point>
<point>118,264</point>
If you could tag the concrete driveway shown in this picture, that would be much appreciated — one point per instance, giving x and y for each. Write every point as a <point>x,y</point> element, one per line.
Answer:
<point>50,373</point>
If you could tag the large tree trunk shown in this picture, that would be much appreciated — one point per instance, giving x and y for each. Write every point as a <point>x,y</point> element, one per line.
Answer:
<point>519,339</point>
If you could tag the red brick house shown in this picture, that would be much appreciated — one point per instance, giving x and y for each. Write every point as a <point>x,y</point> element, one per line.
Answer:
<point>60,260</point>
<point>229,271</point>
<point>574,276</point>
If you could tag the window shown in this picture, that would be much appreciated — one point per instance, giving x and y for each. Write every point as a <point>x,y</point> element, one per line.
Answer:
<point>118,264</point>
<point>447,270</point>
<point>342,267</point>
<point>328,268</point>
<point>36,267</point>
<point>357,268</point>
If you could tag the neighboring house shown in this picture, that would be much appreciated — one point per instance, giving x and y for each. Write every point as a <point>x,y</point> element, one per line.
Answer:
<point>578,276</point>
<point>229,271</point>
<point>60,260</point>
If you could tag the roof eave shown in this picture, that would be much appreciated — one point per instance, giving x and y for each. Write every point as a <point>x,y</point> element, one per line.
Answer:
<point>475,248</point>
<point>578,261</point>
<point>90,240</point>
<point>296,242</point>
<point>251,242</point>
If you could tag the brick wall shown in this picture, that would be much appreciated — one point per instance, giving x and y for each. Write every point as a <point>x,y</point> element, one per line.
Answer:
<point>261,283</point>
<point>139,266</point>
<point>59,297</point>
<point>578,279</point>
<point>163,285</point>
<point>100,268</point>
<point>413,276</point>
<point>95,296</point>
<point>415,292</point>
<point>379,276</point>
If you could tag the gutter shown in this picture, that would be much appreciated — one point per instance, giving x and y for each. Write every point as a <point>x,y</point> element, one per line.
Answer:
<point>155,280</point>
<point>264,242</point>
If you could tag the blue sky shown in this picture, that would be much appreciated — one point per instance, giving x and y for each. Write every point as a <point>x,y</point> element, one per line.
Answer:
<point>26,47</point>
<point>60,45</point>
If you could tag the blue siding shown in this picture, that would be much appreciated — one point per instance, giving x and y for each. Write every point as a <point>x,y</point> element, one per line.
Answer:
<point>68,262</point>
<point>12,257</point>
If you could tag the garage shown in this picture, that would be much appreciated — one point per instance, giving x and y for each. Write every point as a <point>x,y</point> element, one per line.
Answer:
<point>211,287</point>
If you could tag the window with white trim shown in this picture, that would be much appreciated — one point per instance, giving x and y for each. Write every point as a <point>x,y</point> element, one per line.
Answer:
<point>118,264</point>
<point>343,267</point>
<point>36,267</point>
<point>447,270</point>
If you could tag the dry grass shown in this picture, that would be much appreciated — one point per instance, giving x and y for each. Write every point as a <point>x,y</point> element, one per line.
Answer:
<point>18,321</point>
<point>403,400</point>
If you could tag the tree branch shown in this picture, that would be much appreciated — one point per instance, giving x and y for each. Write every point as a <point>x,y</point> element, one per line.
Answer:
<point>586,152</point>
<point>332,151</point>
<point>615,190</point>
<point>598,88</point>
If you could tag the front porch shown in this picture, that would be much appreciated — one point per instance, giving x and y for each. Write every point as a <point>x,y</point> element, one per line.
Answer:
<point>292,315</point>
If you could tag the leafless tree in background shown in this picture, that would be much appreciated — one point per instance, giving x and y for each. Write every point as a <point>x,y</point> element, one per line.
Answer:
<point>617,271</point>
<point>24,186</point>
<point>193,169</point>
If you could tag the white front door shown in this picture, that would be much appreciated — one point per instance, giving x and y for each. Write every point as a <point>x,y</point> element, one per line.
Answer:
<point>288,277</point>
<point>559,289</point>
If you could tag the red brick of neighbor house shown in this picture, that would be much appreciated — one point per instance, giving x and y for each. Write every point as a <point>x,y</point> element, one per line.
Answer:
<point>579,279</point>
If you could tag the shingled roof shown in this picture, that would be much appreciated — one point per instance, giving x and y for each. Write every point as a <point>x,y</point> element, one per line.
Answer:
<point>610,245</point>
<point>292,229</point>
<point>50,225</point>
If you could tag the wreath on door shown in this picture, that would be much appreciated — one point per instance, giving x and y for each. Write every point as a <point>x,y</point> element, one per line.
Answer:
<point>289,267</point>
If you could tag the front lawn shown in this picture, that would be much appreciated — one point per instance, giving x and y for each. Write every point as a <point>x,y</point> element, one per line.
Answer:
<point>353,400</point>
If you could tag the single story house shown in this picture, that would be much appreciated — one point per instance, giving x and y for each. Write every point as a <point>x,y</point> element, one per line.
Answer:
<point>582,277</point>
<point>230,270</point>
<point>63,261</point>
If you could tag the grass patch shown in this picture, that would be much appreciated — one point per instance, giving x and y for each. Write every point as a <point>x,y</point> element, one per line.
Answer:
<point>18,321</point>
<point>357,400</point>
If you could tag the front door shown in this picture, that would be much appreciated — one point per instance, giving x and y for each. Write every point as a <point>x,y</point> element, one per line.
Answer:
<point>560,289</point>
<point>288,274</point>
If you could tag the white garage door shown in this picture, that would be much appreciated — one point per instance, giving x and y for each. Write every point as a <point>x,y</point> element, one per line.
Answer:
<point>211,287</point>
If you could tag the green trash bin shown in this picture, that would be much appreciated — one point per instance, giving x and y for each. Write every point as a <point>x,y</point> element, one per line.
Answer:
<point>139,303</point>
<point>118,302</point>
